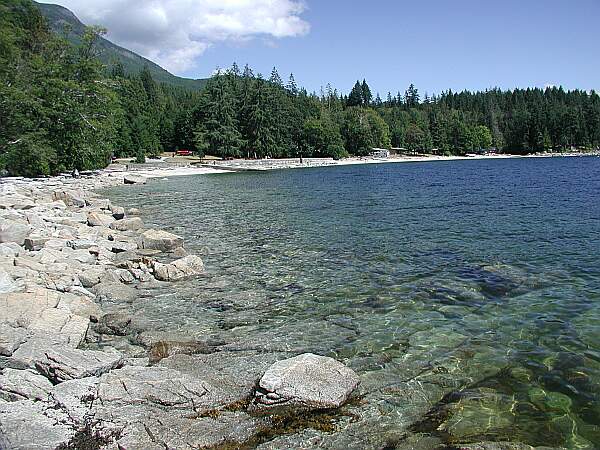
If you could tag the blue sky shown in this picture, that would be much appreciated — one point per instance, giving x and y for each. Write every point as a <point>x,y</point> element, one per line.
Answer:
<point>435,44</point>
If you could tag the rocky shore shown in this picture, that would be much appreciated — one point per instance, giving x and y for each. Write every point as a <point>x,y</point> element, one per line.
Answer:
<point>78,372</point>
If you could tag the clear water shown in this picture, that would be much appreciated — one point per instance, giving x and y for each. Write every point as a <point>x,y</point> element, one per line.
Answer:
<point>466,294</point>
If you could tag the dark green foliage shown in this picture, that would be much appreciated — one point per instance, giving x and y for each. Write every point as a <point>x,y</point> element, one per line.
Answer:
<point>56,109</point>
<point>61,108</point>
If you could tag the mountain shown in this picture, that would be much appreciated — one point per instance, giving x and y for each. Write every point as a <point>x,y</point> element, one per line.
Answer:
<point>58,17</point>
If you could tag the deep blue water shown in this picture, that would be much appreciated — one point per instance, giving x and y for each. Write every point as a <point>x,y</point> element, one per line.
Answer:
<point>476,281</point>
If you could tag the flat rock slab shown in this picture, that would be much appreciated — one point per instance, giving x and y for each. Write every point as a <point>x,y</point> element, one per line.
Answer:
<point>306,381</point>
<point>161,431</point>
<point>155,387</point>
<point>64,363</point>
<point>18,385</point>
<point>39,311</point>
<point>27,425</point>
<point>11,338</point>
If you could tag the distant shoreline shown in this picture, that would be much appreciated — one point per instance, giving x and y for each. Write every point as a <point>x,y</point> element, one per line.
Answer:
<point>166,168</point>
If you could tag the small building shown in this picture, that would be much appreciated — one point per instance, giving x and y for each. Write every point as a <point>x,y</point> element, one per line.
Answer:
<point>380,153</point>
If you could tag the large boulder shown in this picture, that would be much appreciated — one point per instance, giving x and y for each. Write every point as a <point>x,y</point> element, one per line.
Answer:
<point>134,179</point>
<point>118,212</point>
<point>131,224</point>
<point>159,240</point>
<point>179,269</point>
<point>12,231</point>
<point>96,219</point>
<point>306,382</point>
<point>71,197</point>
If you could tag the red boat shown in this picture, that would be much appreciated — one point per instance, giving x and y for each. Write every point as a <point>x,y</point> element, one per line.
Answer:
<point>183,153</point>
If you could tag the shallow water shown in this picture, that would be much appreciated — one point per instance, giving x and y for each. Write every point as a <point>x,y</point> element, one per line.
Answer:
<point>466,293</point>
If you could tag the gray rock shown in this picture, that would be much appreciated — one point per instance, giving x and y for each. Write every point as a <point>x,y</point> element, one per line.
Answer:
<point>306,381</point>
<point>131,224</point>
<point>92,276</point>
<point>18,385</point>
<point>134,179</point>
<point>95,219</point>
<point>159,387</point>
<point>71,197</point>
<point>235,373</point>
<point>133,212</point>
<point>10,249</point>
<point>35,242</point>
<point>76,398</point>
<point>122,246</point>
<point>11,231</point>
<point>118,212</point>
<point>160,430</point>
<point>180,269</point>
<point>61,363</point>
<point>159,240</point>
<point>124,276</point>
<point>81,244</point>
<point>101,203</point>
<point>180,252</point>
<point>28,425</point>
<point>115,292</point>
<point>163,349</point>
<point>115,324</point>
<point>38,310</point>
<point>11,338</point>
<point>7,284</point>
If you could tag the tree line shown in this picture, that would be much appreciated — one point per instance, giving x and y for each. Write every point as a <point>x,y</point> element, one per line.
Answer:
<point>60,109</point>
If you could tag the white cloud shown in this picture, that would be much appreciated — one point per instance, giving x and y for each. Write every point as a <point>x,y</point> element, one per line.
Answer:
<point>174,33</point>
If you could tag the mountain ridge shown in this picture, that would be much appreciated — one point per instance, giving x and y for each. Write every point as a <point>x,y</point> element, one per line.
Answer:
<point>58,17</point>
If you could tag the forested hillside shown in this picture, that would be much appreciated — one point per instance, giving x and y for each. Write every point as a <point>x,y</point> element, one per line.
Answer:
<point>64,22</point>
<point>61,108</point>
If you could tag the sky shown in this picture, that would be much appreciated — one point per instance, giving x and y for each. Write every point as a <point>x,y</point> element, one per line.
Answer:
<point>435,44</point>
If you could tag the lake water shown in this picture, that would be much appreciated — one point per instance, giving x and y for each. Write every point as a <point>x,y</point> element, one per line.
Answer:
<point>466,294</point>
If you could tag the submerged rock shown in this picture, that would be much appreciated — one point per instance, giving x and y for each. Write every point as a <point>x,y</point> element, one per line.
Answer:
<point>164,349</point>
<point>115,324</point>
<point>115,292</point>
<point>306,381</point>
<point>180,269</point>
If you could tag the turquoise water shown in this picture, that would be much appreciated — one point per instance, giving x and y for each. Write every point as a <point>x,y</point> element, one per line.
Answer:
<point>466,294</point>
